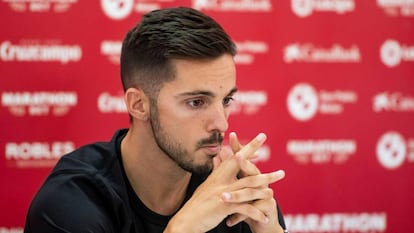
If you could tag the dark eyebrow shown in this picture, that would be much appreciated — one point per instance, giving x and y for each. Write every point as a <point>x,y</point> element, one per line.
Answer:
<point>206,93</point>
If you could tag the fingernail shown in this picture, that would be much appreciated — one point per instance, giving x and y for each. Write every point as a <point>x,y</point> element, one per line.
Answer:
<point>261,137</point>
<point>280,173</point>
<point>226,196</point>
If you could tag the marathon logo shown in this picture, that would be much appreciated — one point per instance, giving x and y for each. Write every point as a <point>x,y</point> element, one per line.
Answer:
<point>321,151</point>
<point>39,53</point>
<point>112,50</point>
<point>233,5</point>
<point>39,103</point>
<point>57,6</point>
<point>312,54</point>
<point>36,154</point>
<point>337,222</point>
<point>397,7</point>
<point>249,102</point>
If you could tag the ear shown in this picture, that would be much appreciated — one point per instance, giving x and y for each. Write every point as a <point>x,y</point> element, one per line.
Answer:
<point>137,103</point>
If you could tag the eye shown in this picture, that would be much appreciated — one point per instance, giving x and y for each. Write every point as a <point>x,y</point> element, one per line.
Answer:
<point>228,100</point>
<point>196,103</point>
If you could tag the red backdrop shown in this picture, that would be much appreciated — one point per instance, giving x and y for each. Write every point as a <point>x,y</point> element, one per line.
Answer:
<point>331,82</point>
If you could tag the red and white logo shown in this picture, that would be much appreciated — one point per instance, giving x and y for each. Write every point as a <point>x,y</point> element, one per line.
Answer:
<point>112,50</point>
<point>304,101</point>
<point>117,9</point>
<point>305,8</point>
<point>391,150</point>
<point>392,53</point>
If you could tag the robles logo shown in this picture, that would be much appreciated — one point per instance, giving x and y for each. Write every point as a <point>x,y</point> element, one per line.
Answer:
<point>392,53</point>
<point>304,8</point>
<point>303,101</point>
<point>393,150</point>
<point>36,154</point>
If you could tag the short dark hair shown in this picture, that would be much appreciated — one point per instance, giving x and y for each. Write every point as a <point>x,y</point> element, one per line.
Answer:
<point>165,34</point>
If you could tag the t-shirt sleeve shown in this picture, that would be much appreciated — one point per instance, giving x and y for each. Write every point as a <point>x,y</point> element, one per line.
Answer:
<point>70,205</point>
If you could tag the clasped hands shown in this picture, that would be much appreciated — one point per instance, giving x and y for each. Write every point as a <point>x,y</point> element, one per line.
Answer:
<point>235,190</point>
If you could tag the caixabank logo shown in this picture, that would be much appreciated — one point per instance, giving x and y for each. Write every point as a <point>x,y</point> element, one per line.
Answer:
<point>305,8</point>
<point>393,150</point>
<point>304,101</point>
<point>311,53</point>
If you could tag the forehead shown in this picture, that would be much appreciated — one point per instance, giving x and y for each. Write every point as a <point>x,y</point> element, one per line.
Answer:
<point>214,75</point>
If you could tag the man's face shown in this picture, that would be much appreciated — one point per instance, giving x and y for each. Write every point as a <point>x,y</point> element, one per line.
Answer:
<point>191,115</point>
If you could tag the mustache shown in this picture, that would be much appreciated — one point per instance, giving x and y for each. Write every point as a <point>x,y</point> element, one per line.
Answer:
<point>215,138</point>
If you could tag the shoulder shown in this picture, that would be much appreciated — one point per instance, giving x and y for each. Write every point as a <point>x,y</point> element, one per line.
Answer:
<point>84,193</point>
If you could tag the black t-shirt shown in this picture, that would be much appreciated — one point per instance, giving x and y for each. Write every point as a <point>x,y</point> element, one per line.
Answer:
<point>88,191</point>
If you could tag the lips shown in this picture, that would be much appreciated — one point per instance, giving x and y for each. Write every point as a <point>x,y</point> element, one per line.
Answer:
<point>212,148</point>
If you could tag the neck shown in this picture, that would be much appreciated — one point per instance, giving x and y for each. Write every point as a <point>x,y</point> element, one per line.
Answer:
<point>157,180</point>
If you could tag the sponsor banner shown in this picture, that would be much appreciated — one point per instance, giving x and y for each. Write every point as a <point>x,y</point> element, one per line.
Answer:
<point>249,102</point>
<point>108,103</point>
<point>248,49</point>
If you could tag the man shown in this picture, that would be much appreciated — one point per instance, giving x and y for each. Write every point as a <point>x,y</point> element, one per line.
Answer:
<point>167,172</point>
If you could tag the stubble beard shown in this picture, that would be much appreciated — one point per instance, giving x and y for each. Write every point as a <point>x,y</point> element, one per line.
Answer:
<point>175,151</point>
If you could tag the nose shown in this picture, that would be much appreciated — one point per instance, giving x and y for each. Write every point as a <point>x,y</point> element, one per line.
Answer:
<point>218,118</point>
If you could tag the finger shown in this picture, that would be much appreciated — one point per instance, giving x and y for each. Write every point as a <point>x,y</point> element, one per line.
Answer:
<point>247,168</point>
<point>234,142</point>
<point>257,180</point>
<point>248,211</point>
<point>247,195</point>
<point>235,219</point>
<point>249,149</point>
